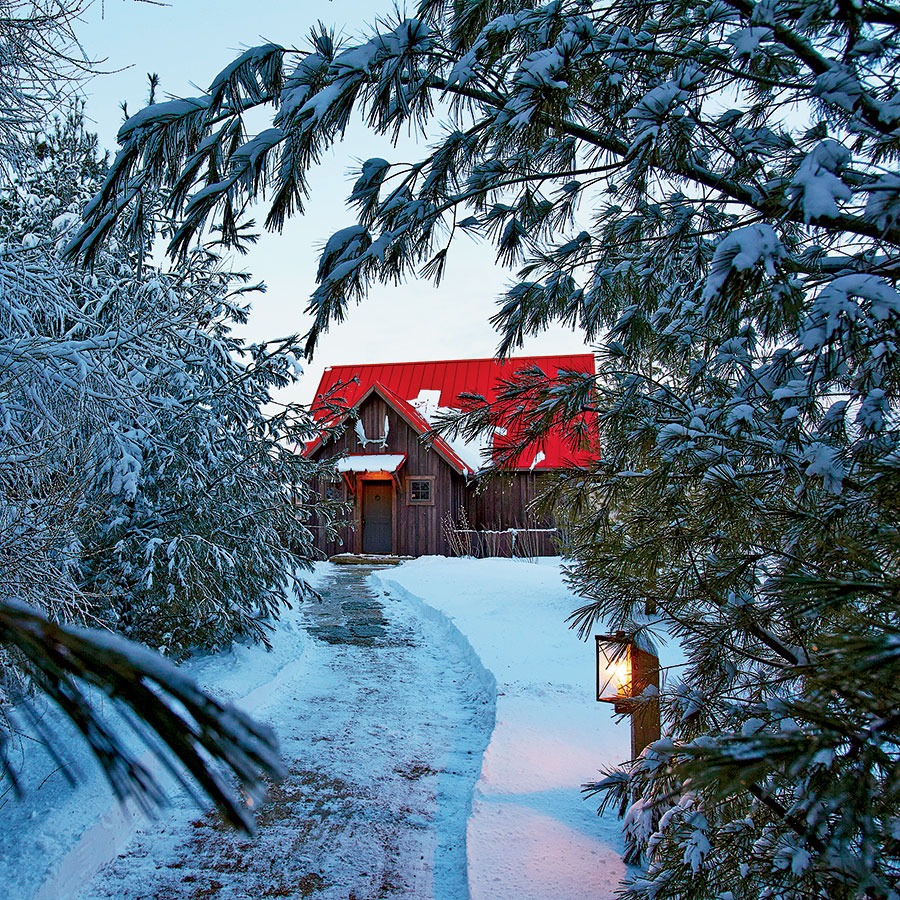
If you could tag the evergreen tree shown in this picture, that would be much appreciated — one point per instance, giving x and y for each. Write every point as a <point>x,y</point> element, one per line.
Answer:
<point>710,192</point>
<point>142,485</point>
<point>191,497</point>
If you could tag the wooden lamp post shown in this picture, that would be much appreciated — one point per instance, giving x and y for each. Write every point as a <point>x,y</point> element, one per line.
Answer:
<point>624,674</point>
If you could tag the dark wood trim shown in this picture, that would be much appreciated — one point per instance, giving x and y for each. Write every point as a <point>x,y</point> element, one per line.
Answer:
<point>357,516</point>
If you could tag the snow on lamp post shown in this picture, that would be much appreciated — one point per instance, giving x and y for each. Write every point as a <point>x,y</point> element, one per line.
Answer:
<point>628,677</point>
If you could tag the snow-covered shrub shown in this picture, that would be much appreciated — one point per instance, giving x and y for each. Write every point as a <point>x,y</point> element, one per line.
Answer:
<point>708,191</point>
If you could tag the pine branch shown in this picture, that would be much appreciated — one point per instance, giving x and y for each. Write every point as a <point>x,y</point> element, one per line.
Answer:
<point>198,731</point>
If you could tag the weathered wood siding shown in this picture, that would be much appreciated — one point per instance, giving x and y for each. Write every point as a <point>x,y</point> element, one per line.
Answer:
<point>417,530</point>
<point>325,545</point>
<point>505,501</point>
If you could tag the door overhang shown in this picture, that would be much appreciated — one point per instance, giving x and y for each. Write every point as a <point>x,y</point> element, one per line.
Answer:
<point>364,466</point>
<point>387,463</point>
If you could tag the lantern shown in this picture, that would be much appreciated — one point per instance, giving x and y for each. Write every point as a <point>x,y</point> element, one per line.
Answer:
<point>613,670</point>
<point>628,677</point>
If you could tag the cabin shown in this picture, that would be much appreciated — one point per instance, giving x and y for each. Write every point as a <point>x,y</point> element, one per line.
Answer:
<point>414,493</point>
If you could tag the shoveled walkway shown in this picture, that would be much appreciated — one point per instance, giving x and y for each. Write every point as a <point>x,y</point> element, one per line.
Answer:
<point>375,806</point>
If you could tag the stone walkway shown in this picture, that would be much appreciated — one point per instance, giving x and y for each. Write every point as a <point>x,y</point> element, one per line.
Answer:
<point>349,612</point>
<point>374,806</point>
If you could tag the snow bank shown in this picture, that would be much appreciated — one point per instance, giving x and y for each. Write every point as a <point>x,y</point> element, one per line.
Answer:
<point>55,840</point>
<point>448,873</point>
<point>531,834</point>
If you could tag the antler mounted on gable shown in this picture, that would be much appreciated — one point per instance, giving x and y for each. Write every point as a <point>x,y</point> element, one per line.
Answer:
<point>364,440</point>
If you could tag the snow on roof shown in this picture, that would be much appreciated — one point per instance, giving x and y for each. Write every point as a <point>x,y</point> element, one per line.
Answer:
<point>421,390</point>
<point>371,462</point>
<point>475,453</point>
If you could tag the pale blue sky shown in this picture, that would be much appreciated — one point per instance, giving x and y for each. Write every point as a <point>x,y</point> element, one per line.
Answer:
<point>187,43</point>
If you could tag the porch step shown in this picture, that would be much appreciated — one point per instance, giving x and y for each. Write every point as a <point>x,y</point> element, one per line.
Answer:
<point>367,559</point>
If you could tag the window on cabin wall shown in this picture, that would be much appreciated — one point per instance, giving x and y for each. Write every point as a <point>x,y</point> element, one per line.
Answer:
<point>420,490</point>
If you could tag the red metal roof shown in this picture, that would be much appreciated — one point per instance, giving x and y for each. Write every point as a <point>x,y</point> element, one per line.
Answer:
<point>405,380</point>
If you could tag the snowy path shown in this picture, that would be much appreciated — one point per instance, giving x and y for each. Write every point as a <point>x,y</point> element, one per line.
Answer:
<point>383,730</point>
<point>438,722</point>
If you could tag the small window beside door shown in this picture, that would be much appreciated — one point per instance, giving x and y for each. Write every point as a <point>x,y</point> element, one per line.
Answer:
<point>420,490</point>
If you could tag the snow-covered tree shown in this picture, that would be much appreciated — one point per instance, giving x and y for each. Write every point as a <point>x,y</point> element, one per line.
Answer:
<point>43,65</point>
<point>193,497</point>
<point>142,485</point>
<point>709,191</point>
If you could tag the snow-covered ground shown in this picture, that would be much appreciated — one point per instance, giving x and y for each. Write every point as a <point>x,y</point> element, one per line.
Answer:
<point>531,835</point>
<point>437,722</point>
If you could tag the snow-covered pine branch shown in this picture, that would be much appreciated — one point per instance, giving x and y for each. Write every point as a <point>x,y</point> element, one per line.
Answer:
<point>173,718</point>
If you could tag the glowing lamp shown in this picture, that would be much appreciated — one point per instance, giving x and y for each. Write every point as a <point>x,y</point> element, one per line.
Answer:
<point>613,670</point>
<point>628,677</point>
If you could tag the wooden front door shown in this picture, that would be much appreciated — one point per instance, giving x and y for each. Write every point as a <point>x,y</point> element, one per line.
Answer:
<point>376,517</point>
